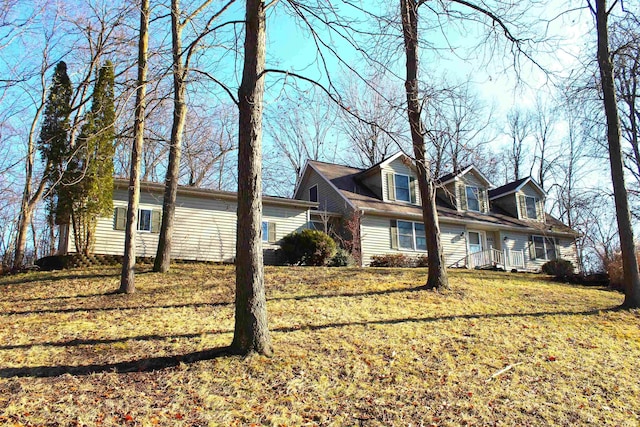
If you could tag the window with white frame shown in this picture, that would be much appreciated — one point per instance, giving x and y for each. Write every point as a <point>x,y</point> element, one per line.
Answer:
<point>532,211</point>
<point>411,236</point>
<point>473,198</point>
<point>144,220</point>
<point>403,188</point>
<point>268,231</point>
<point>543,248</point>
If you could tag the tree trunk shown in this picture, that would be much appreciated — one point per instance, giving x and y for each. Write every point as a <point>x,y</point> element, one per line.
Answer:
<point>437,276</point>
<point>251,334</point>
<point>127,279</point>
<point>623,215</point>
<point>163,254</point>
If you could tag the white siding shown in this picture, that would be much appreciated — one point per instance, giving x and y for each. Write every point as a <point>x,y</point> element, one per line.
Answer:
<point>531,191</point>
<point>398,167</point>
<point>376,240</point>
<point>518,241</point>
<point>328,198</point>
<point>205,228</point>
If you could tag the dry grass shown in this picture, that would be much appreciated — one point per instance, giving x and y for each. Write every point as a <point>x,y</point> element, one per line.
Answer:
<point>353,347</point>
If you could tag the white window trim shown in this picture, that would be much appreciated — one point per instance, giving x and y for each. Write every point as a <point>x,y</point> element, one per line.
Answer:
<point>395,183</point>
<point>545,240</point>
<point>477,193</point>
<point>414,242</point>
<point>140,210</point>
<point>535,206</point>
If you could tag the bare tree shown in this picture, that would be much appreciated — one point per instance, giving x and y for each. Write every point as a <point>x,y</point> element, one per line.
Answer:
<point>251,332</point>
<point>437,275</point>
<point>545,157</point>
<point>181,67</point>
<point>372,122</point>
<point>623,215</point>
<point>127,279</point>
<point>519,129</point>
<point>300,128</point>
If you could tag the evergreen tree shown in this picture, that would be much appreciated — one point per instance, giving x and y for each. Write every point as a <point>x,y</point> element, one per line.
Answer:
<point>54,135</point>
<point>89,193</point>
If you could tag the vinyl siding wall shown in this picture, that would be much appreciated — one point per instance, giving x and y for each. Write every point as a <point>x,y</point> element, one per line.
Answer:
<point>205,228</point>
<point>398,167</point>
<point>529,190</point>
<point>328,199</point>
<point>521,242</point>
<point>376,240</point>
<point>470,179</point>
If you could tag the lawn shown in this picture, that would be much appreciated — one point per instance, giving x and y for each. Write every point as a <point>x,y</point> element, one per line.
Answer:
<point>352,347</point>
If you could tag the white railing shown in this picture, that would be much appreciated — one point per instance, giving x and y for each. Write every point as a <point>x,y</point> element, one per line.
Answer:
<point>507,259</point>
<point>515,258</point>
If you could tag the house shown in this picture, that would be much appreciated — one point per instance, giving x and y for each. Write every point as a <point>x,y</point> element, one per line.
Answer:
<point>205,223</point>
<point>481,226</point>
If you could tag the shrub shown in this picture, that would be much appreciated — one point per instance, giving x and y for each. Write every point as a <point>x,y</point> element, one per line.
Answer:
<point>391,260</point>
<point>616,272</point>
<point>559,268</point>
<point>422,261</point>
<point>342,258</point>
<point>307,247</point>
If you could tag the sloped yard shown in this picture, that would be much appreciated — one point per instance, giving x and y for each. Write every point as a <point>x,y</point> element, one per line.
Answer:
<point>353,347</point>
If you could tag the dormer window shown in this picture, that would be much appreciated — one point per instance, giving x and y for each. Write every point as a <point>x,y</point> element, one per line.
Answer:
<point>401,188</point>
<point>403,191</point>
<point>532,211</point>
<point>473,198</point>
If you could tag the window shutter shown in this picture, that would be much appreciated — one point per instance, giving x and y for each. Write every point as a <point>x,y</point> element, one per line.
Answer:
<point>413,189</point>
<point>394,234</point>
<point>462,195</point>
<point>522,204</point>
<point>272,232</point>
<point>484,201</point>
<point>120,218</point>
<point>532,248</point>
<point>156,218</point>
<point>391,187</point>
<point>556,242</point>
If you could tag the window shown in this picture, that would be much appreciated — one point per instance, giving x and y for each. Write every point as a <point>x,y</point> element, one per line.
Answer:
<point>144,220</point>
<point>148,220</point>
<point>538,247</point>
<point>405,235</point>
<point>543,248</point>
<point>473,199</point>
<point>530,202</point>
<point>403,190</point>
<point>268,231</point>
<point>313,194</point>
<point>408,235</point>
<point>421,239</point>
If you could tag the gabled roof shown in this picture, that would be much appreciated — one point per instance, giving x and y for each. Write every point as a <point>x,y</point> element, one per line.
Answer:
<point>383,163</point>
<point>514,186</point>
<point>185,190</point>
<point>452,176</point>
<point>344,179</point>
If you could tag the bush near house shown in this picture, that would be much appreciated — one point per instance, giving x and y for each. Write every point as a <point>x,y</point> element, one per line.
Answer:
<point>342,258</point>
<point>559,268</point>
<point>398,260</point>
<point>307,247</point>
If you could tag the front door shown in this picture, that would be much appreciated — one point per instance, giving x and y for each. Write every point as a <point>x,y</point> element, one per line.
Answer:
<point>475,241</point>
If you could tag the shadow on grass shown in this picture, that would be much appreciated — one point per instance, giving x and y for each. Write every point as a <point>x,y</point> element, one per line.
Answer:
<point>142,365</point>
<point>106,309</point>
<point>49,277</point>
<point>157,363</point>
